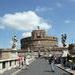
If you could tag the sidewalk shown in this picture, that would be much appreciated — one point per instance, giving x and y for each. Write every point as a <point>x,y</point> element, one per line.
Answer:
<point>11,71</point>
<point>72,72</point>
<point>8,72</point>
<point>15,70</point>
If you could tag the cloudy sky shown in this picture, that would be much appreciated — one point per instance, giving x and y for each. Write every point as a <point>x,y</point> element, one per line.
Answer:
<point>20,17</point>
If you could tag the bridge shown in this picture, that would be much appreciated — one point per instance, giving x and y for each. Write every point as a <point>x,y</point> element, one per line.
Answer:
<point>37,67</point>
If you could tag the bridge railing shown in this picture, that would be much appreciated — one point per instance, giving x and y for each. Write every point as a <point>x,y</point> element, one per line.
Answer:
<point>7,64</point>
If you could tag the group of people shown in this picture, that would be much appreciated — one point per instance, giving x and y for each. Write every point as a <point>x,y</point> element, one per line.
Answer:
<point>21,61</point>
<point>63,60</point>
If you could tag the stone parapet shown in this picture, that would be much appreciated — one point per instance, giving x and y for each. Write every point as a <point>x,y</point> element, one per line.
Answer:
<point>7,64</point>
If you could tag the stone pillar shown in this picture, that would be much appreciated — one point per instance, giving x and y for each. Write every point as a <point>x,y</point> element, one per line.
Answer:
<point>17,63</point>
<point>0,66</point>
<point>12,63</point>
<point>8,65</point>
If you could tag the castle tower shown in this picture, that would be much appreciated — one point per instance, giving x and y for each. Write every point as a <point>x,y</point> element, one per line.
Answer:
<point>38,34</point>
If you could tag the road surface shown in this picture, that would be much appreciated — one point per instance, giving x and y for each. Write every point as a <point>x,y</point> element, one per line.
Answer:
<point>40,67</point>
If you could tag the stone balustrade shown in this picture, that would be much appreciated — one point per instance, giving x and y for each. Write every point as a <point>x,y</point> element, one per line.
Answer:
<point>7,64</point>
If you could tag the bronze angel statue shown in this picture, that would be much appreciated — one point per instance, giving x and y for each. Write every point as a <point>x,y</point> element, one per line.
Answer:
<point>63,39</point>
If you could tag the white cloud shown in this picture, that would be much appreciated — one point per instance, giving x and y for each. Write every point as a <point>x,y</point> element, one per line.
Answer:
<point>26,34</point>
<point>24,21</point>
<point>67,21</point>
<point>2,27</point>
<point>43,9</point>
<point>59,5</point>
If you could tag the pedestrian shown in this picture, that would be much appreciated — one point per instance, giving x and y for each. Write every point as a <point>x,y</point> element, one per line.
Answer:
<point>19,60</point>
<point>52,63</point>
<point>49,60</point>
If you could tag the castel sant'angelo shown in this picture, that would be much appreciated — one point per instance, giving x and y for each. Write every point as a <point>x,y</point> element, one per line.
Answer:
<point>39,41</point>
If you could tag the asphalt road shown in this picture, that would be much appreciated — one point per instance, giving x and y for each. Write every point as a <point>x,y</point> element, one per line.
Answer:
<point>41,67</point>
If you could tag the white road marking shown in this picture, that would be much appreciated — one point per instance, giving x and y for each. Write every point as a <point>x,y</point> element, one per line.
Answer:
<point>18,71</point>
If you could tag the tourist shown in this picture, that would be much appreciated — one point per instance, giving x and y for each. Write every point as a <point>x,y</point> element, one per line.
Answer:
<point>52,63</point>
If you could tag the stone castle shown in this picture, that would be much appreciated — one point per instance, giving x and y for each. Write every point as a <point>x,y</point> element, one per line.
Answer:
<point>39,41</point>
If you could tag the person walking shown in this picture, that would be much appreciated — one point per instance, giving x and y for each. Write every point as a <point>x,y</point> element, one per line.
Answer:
<point>52,63</point>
